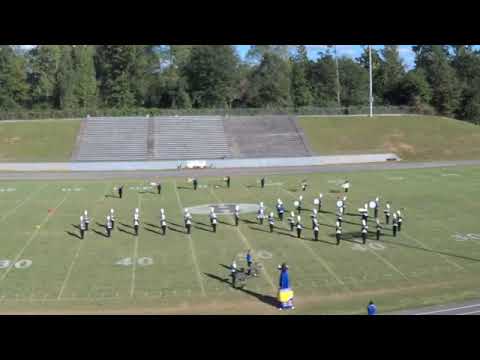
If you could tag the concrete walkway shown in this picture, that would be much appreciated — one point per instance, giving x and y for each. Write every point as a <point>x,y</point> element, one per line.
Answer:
<point>217,164</point>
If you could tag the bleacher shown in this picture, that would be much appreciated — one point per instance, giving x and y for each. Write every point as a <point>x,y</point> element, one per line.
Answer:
<point>189,137</point>
<point>117,138</point>
<point>265,137</point>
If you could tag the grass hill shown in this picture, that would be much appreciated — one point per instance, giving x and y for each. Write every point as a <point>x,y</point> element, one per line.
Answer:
<point>44,140</point>
<point>413,138</point>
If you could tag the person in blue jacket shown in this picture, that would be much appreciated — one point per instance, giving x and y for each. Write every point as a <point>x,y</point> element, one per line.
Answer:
<point>249,262</point>
<point>284,283</point>
<point>372,308</point>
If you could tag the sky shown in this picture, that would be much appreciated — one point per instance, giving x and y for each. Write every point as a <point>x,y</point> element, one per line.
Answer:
<point>352,51</point>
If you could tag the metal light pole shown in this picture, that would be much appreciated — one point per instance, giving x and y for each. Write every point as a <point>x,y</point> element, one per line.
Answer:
<point>370,72</point>
<point>338,77</point>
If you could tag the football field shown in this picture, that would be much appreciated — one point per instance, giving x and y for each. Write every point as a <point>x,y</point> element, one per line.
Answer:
<point>46,268</point>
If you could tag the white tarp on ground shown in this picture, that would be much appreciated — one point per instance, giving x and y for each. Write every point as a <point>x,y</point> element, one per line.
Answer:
<point>219,164</point>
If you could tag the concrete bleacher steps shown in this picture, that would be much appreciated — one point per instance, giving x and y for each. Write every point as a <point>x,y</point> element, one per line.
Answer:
<point>178,138</point>
<point>265,137</point>
<point>160,138</point>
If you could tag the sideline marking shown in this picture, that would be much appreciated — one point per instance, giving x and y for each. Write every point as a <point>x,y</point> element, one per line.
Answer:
<point>192,247</point>
<point>22,202</point>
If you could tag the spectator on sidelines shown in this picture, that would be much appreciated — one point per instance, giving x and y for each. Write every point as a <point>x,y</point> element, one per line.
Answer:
<point>371,308</point>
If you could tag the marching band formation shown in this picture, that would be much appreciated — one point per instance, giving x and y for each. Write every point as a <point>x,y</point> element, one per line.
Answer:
<point>294,220</point>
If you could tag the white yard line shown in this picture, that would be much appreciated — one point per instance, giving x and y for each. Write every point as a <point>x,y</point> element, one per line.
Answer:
<point>249,246</point>
<point>388,263</point>
<point>67,277</point>
<point>135,252</point>
<point>14,210</point>
<point>318,257</point>
<point>192,247</point>
<point>451,262</point>
<point>32,237</point>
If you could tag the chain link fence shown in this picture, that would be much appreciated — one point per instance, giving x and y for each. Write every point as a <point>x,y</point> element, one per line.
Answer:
<point>77,114</point>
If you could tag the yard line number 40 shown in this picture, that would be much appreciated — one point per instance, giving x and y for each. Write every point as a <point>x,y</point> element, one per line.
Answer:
<point>143,261</point>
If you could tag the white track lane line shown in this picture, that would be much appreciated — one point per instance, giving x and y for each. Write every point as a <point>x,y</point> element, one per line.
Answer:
<point>448,309</point>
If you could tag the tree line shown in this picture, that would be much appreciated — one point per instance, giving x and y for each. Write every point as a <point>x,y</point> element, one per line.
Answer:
<point>445,79</point>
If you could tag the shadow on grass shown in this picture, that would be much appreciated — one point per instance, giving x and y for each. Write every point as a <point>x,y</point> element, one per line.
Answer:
<point>112,196</point>
<point>76,226</point>
<point>266,299</point>
<point>185,187</point>
<point>73,234</point>
<point>100,233</point>
<point>200,223</point>
<point>225,223</point>
<point>152,225</point>
<point>100,225</point>
<point>202,228</point>
<point>428,250</point>
<point>127,226</point>
<point>153,231</point>
<point>126,232</point>
<point>176,230</point>
<point>174,224</point>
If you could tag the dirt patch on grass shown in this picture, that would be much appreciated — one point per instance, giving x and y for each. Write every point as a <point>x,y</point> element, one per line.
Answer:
<point>394,144</point>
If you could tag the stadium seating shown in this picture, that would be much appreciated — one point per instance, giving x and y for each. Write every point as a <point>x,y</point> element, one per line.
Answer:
<point>187,137</point>
<point>113,139</point>
<point>265,137</point>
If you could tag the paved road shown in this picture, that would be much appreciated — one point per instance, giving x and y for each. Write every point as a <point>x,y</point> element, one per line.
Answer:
<point>466,308</point>
<point>92,175</point>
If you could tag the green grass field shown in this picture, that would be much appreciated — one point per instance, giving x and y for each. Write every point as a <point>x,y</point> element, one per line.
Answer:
<point>413,138</point>
<point>46,268</point>
<point>45,140</point>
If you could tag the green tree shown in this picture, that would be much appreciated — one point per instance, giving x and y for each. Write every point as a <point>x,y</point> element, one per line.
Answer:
<point>353,82</point>
<point>414,89</point>
<point>378,80</point>
<point>257,52</point>
<point>300,88</point>
<point>85,83</point>
<point>13,79</point>
<point>434,60</point>
<point>43,63</point>
<point>64,97</point>
<point>269,83</point>
<point>323,78</point>
<point>392,70</point>
<point>114,64</point>
<point>210,74</point>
